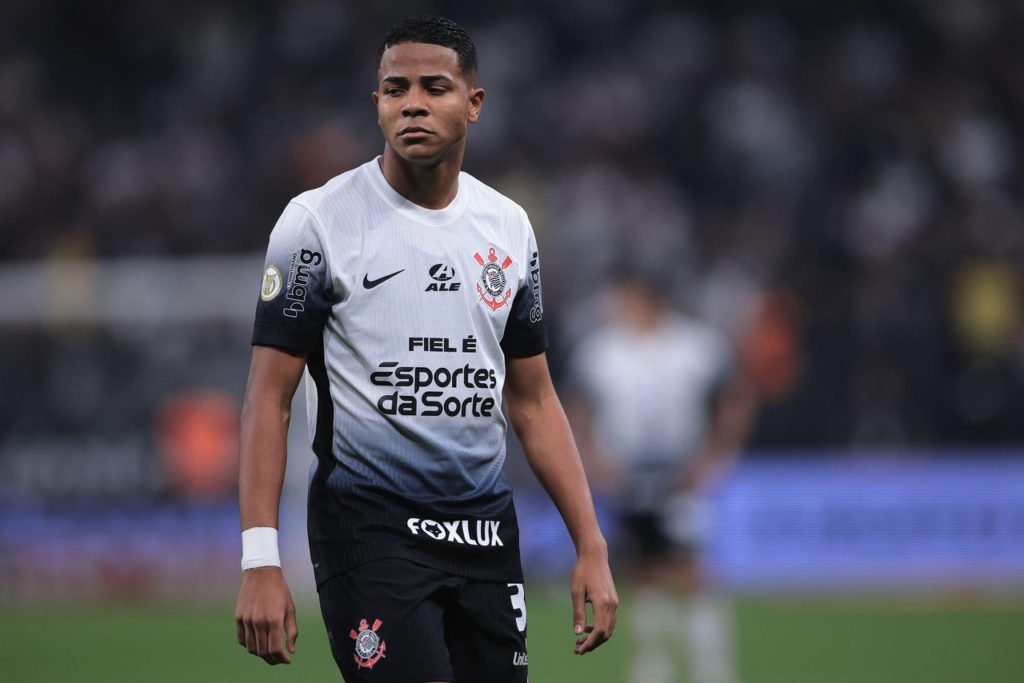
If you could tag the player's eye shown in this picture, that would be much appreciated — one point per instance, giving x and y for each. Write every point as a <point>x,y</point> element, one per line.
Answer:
<point>437,90</point>
<point>393,92</point>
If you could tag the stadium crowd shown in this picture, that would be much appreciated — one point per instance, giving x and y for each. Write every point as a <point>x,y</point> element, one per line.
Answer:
<point>839,186</point>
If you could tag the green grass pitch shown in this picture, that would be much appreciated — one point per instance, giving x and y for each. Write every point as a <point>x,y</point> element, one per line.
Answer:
<point>802,640</point>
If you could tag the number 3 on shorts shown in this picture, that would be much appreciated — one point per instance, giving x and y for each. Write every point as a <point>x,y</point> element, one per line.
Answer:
<point>518,597</point>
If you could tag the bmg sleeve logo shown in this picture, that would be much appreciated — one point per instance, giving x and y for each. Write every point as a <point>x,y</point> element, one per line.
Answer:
<point>299,274</point>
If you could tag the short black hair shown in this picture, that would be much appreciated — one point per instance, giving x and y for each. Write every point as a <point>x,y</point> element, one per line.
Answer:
<point>434,31</point>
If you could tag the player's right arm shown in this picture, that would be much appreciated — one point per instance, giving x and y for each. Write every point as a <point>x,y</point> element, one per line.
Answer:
<point>265,609</point>
<point>295,301</point>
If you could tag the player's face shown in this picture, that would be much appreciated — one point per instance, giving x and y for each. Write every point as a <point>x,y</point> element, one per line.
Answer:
<point>637,306</point>
<point>424,101</point>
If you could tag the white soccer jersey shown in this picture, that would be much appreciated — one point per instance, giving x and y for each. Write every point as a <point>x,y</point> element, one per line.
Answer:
<point>406,315</point>
<point>651,392</point>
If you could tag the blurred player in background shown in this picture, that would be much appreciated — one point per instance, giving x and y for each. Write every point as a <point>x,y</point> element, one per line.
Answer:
<point>664,412</point>
<point>410,292</point>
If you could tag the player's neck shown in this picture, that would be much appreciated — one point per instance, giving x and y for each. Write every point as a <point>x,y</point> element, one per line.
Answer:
<point>647,322</point>
<point>430,186</point>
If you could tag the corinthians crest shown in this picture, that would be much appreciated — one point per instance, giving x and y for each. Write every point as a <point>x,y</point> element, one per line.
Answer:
<point>369,646</point>
<point>493,285</point>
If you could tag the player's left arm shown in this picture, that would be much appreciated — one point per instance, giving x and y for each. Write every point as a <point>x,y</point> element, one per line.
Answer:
<point>732,408</point>
<point>540,423</point>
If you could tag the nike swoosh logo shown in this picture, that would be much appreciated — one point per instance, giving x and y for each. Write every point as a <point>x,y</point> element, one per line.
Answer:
<point>370,284</point>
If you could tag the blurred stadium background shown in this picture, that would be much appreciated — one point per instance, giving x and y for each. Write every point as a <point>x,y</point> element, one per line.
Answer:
<point>837,185</point>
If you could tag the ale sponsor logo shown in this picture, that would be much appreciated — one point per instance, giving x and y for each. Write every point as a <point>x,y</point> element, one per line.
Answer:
<point>442,275</point>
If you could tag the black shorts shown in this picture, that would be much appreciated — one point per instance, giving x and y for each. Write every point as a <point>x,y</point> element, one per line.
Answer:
<point>646,540</point>
<point>394,621</point>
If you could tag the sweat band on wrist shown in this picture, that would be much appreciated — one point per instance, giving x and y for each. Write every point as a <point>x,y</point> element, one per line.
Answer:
<point>259,548</point>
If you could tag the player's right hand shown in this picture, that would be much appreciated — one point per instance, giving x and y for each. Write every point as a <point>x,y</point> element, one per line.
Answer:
<point>265,610</point>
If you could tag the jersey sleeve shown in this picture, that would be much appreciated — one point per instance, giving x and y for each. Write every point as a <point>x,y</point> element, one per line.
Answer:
<point>525,334</point>
<point>295,297</point>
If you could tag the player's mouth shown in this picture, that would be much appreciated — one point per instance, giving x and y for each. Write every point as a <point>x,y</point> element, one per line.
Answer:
<point>413,132</point>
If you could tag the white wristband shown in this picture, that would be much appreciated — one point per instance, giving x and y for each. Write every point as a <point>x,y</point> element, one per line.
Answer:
<point>259,548</point>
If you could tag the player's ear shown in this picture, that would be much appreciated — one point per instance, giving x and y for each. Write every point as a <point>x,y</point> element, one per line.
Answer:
<point>376,97</point>
<point>476,103</point>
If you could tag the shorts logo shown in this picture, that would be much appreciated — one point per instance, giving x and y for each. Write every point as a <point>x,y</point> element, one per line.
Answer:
<point>369,646</point>
<point>480,532</point>
<point>493,280</point>
<point>271,283</point>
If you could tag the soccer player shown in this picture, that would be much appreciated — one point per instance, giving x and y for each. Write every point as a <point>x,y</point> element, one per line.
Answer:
<point>410,294</point>
<point>661,414</point>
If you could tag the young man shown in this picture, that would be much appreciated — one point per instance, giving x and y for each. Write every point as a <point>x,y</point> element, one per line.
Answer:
<point>664,414</point>
<point>411,294</point>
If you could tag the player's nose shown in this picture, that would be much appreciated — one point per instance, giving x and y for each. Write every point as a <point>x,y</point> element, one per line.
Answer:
<point>411,110</point>
<point>414,105</point>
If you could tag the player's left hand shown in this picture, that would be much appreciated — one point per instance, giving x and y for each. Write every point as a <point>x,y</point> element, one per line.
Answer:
<point>699,476</point>
<point>591,582</point>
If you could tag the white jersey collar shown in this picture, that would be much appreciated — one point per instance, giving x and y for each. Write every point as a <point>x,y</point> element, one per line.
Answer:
<point>412,210</point>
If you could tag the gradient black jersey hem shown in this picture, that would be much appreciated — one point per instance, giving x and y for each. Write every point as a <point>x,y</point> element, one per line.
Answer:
<point>476,538</point>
